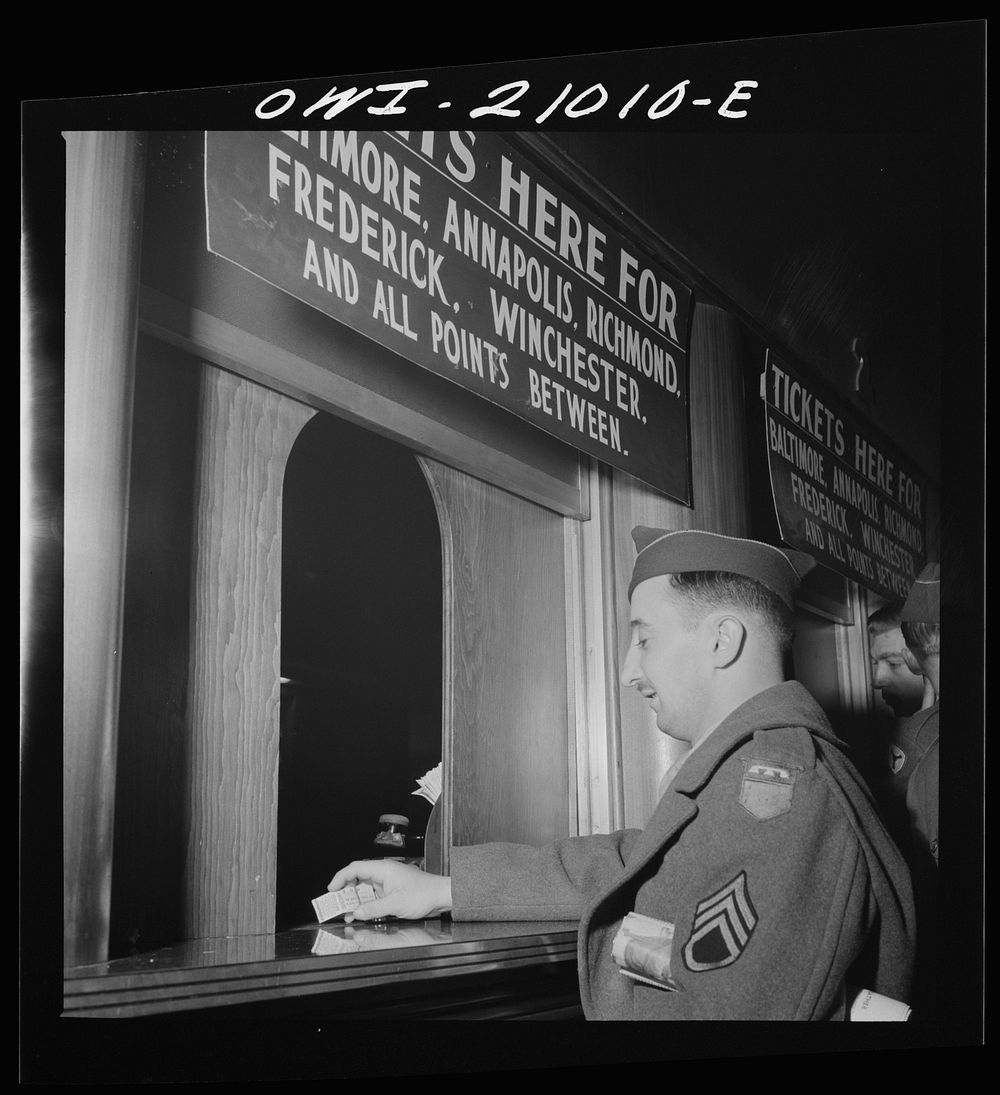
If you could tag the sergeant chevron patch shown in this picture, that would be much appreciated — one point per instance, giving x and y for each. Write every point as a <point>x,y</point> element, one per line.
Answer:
<point>723,924</point>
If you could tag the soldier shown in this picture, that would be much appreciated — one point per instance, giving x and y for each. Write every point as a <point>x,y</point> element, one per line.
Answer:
<point>891,747</point>
<point>764,858</point>
<point>921,627</point>
<point>900,687</point>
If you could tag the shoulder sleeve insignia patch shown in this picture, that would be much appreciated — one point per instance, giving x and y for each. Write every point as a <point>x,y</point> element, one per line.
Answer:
<point>897,758</point>
<point>723,924</point>
<point>766,790</point>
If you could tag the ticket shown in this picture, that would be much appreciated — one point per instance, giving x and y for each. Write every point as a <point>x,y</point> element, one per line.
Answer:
<point>337,902</point>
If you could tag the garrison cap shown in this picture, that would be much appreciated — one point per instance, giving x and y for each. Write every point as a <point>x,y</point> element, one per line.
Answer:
<point>923,602</point>
<point>664,552</point>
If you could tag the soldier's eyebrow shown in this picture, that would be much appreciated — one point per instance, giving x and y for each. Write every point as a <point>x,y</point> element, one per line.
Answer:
<point>637,622</point>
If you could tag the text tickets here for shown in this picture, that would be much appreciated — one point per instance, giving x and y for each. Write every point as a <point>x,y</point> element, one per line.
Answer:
<point>461,254</point>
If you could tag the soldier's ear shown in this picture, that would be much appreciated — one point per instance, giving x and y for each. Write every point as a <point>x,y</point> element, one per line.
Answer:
<point>730,635</point>
<point>912,662</point>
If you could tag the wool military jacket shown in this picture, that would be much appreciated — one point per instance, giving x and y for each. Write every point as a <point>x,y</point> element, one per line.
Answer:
<point>911,741</point>
<point>922,780</point>
<point>889,775</point>
<point>766,855</point>
<point>922,853</point>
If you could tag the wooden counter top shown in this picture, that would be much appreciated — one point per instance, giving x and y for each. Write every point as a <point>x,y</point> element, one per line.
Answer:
<point>403,969</point>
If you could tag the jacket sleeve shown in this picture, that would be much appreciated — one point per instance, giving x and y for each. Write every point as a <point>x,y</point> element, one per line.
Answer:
<point>769,912</point>
<point>517,882</point>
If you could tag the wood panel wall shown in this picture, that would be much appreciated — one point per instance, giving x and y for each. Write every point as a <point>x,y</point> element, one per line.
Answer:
<point>505,705</point>
<point>196,827</point>
<point>245,435</point>
<point>152,760</point>
<point>104,190</point>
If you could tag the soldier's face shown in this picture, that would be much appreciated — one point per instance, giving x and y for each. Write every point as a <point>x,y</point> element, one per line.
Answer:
<point>892,678</point>
<point>666,660</point>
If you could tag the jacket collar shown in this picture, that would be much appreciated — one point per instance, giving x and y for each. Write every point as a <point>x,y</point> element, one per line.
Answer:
<point>787,704</point>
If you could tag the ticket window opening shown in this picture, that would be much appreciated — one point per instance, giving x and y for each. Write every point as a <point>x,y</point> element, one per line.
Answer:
<point>361,639</point>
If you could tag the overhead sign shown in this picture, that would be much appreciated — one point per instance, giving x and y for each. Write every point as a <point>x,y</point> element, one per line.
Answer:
<point>460,254</point>
<point>842,491</point>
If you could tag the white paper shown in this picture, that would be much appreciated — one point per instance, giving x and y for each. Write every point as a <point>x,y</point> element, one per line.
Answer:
<point>642,950</point>
<point>337,902</point>
<point>429,785</point>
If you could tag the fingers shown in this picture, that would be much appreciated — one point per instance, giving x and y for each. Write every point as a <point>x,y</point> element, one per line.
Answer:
<point>360,870</point>
<point>373,910</point>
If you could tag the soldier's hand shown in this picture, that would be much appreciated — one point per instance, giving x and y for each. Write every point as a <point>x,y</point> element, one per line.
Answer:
<point>402,890</point>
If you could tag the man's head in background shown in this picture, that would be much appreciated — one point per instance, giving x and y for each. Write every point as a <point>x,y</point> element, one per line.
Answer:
<point>900,686</point>
<point>921,625</point>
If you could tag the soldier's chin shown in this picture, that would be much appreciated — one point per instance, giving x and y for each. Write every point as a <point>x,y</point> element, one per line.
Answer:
<point>672,731</point>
